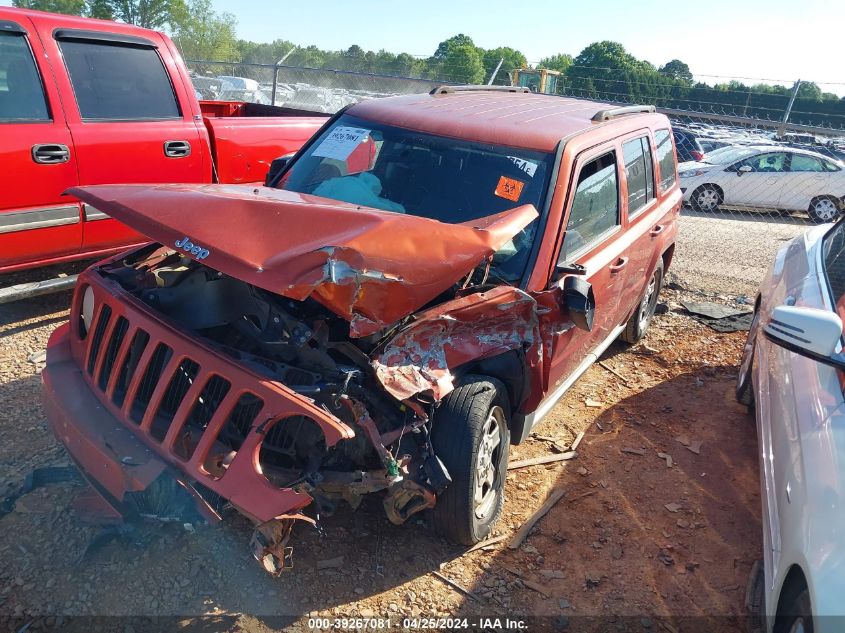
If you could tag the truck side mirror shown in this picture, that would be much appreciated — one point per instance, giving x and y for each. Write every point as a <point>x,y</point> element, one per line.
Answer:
<point>577,297</point>
<point>810,332</point>
<point>743,170</point>
<point>276,168</point>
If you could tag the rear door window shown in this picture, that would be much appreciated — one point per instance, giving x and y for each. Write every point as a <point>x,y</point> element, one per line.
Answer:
<point>802,162</point>
<point>665,158</point>
<point>595,206</point>
<point>639,173</point>
<point>21,92</point>
<point>119,82</point>
<point>774,162</point>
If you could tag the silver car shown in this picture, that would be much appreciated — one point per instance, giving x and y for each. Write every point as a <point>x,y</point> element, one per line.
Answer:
<point>793,374</point>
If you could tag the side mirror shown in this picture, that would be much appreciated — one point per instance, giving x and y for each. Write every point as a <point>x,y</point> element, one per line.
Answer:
<point>810,332</point>
<point>276,168</point>
<point>577,297</point>
<point>743,170</point>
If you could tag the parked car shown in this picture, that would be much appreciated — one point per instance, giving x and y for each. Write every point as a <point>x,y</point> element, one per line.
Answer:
<point>687,145</point>
<point>93,101</point>
<point>791,376</point>
<point>423,282</point>
<point>766,177</point>
<point>242,89</point>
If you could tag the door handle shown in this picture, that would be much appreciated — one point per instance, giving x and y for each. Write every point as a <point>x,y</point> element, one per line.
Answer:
<point>177,149</point>
<point>50,153</point>
<point>657,230</point>
<point>618,265</point>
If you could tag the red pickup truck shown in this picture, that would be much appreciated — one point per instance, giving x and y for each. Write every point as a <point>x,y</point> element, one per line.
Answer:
<point>86,102</point>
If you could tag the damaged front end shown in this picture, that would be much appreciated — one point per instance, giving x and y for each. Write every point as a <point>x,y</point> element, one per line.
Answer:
<point>173,370</point>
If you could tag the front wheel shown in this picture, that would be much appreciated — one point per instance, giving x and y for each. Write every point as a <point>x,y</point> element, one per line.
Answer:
<point>470,435</point>
<point>637,325</point>
<point>706,198</point>
<point>823,210</point>
<point>796,615</point>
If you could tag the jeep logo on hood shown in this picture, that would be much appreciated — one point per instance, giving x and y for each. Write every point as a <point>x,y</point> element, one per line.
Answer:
<point>194,249</point>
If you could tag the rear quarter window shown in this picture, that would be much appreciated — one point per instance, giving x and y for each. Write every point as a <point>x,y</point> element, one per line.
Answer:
<point>119,82</point>
<point>21,93</point>
<point>665,158</point>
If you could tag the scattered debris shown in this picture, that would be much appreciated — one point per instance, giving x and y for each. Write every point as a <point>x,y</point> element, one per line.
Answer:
<point>38,357</point>
<point>718,317</point>
<point>552,574</point>
<point>582,471</point>
<point>545,459</point>
<point>604,365</point>
<point>554,496</point>
<point>672,507</point>
<point>592,579</point>
<point>577,441</point>
<point>528,583</point>
<point>667,457</point>
<point>665,558</point>
<point>682,524</point>
<point>695,447</point>
<point>330,563</point>
<point>457,587</point>
<point>563,603</point>
<point>683,440</point>
<point>634,451</point>
<point>487,543</point>
<point>594,404</point>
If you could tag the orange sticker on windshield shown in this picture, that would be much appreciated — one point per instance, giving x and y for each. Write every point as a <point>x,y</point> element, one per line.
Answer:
<point>509,188</point>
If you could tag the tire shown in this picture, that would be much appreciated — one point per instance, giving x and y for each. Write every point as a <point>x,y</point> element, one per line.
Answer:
<point>744,381</point>
<point>637,325</point>
<point>795,615</point>
<point>470,435</point>
<point>706,198</point>
<point>824,209</point>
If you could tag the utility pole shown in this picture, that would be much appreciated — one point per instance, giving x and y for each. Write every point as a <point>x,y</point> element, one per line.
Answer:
<point>782,128</point>
<point>276,73</point>
<point>495,72</point>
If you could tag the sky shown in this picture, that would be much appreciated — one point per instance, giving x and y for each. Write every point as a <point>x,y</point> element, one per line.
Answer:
<point>772,39</point>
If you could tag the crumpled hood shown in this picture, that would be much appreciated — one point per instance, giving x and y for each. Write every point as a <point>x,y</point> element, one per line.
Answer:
<point>371,267</point>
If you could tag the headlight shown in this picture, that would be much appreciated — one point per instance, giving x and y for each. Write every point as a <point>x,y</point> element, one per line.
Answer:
<point>87,313</point>
<point>692,173</point>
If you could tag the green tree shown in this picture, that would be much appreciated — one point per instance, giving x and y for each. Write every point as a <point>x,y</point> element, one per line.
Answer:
<point>560,62</point>
<point>809,90</point>
<point>69,7</point>
<point>99,9</point>
<point>512,60</point>
<point>444,48</point>
<point>149,14</point>
<point>463,64</point>
<point>202,33</point>
<point>677,70</point>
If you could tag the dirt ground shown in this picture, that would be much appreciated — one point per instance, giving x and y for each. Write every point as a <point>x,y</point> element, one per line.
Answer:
<point>633,544</point>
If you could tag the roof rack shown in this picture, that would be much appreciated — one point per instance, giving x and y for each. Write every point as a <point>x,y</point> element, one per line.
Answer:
<point>444,90</point>
<point>612,113</point>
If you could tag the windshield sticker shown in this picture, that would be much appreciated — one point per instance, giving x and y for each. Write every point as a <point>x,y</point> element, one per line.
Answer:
<point>529,167</point>
<point>509,189</point>
<point>341,142</point>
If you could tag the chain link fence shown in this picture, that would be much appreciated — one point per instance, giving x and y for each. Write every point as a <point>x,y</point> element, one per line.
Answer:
<point>755,169</point>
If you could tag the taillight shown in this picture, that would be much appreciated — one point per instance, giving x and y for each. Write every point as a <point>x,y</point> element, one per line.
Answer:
<point>696,155</point>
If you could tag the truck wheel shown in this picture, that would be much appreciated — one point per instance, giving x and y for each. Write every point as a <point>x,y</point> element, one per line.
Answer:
<point>471,437</point>
<point>640,320</point>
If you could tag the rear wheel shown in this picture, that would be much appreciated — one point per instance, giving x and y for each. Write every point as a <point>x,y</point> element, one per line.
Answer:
<point>706,198</point>
<point>823,210</point>
<point>471,437</point>
<point>637,325</point>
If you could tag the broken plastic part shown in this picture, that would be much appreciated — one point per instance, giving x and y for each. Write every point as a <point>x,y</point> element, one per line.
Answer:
<point>269,542</point>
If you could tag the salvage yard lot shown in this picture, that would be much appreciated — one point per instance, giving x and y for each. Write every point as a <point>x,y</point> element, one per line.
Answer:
<point>630,537</point>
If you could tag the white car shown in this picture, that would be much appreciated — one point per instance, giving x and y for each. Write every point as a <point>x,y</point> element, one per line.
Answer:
<point>793,376</point>
<point>766,176</point>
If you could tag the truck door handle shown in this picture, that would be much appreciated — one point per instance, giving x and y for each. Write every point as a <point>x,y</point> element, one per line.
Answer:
<point>657,230</point>
<point>618,265</point>
<point>50,153</point>
<point>177,149</point>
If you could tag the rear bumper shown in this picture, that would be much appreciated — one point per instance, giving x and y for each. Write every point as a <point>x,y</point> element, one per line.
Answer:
<point>117,461</point>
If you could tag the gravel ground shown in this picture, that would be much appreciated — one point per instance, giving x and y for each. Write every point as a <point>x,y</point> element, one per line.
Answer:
<point>610,548</point>
<point>728,253</point>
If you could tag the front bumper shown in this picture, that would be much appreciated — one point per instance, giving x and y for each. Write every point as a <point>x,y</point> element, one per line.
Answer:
<point>118,461</point>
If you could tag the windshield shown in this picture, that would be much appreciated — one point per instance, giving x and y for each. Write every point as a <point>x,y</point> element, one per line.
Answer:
<point>445,179</point>
<point>728,155</point>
